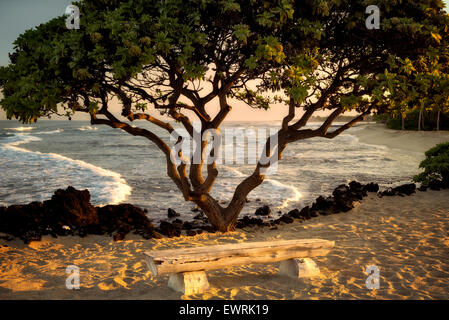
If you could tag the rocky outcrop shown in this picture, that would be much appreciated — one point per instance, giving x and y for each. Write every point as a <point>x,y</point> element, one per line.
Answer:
<point>69,212</point>
<point>342,200</point>
<point>122,219</point>
<point>263,211</point>
<point>403,190</point>
<point>172,213</point>
<point>168,229</point>
<point>71,207</point>
<point>249,221</point>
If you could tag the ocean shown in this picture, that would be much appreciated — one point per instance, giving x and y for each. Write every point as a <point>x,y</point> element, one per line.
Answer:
<point>116,167</point>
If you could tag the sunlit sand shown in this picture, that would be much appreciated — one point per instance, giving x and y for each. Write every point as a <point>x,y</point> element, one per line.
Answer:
<point>406,237</point>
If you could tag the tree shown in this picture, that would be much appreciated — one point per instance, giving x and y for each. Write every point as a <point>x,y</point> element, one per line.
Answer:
<point>308,56</point>
<point>421,84</point>
<point>436,167</point>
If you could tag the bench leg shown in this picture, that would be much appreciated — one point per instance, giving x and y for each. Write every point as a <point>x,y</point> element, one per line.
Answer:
<point>299,268</point>
<point>189,282</point>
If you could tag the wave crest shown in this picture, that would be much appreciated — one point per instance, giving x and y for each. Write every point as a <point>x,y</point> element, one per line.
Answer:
<point>43,173</point>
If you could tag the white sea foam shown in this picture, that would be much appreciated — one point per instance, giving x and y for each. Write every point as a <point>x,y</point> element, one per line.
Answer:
<point>295,195</point>
<point>290,194</point>
<point>88,128</point>
<point>234,172</point>
<point>50,132</point>
<point>21,129</point>
<point>21,139</point>
<point>49,170</point>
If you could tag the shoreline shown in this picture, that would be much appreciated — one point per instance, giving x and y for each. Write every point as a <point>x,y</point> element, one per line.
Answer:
<point>416,142</point>
<point>69,212</point>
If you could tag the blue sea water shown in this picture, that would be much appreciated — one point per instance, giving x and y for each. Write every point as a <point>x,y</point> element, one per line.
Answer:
<point>116,167</point>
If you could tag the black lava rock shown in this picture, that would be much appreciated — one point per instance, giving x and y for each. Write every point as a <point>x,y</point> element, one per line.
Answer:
<point>355,186</point>
<point>124,218</point>
<point>172,213</point>
<point>71,207</point>
<point>177,223</point>
<point>371,187</point>
<point>248,221</point>
<point>406,189</point>
<point>286,219</point>
<point>208,228</point>
<point>69,212</point>
<point>188,225</point>
<point>167,229</point>
<point>263,211</point>
<point>295,214</point>
<point>341,191</point>
<point>200,216</point>
<point>119,236</point>
<point>322,204</point>
<point>422,188</point>
<point>357,190</point>
<point>314,213</point>
<point>342,205</point>
<point>305,213</point>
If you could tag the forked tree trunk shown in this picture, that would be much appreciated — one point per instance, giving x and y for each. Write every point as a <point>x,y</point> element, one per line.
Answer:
<point>225,219</point>
<point>212,209</point>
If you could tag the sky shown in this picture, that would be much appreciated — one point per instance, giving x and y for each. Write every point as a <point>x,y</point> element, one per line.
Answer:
<point>16,16</point>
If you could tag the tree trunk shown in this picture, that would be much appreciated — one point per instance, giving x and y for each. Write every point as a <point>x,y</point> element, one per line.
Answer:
<point>222,219</point>
<point>225,219</point>
<point>213,211</point>
<point>419,119</point>
<point>422,119</point>
<point>438,120</point>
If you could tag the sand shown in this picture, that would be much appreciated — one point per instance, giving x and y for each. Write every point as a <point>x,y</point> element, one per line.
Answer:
<point>411,141</point>
<point>407,238</point>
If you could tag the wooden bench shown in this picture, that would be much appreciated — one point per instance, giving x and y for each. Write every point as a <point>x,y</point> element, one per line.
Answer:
<point>187,266</point>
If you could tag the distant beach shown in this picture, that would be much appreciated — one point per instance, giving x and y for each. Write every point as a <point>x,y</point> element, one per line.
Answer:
<point>413,142</point>
<point>406,237</point>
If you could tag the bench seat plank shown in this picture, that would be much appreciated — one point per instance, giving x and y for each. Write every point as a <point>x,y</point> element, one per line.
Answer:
<point>222,256</point>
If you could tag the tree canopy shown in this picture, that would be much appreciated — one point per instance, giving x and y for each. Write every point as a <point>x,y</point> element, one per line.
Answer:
<point>176,56</point>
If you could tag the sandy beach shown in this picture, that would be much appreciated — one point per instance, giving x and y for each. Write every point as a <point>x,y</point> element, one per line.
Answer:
<point>410,141</point>
<point>406,237</point>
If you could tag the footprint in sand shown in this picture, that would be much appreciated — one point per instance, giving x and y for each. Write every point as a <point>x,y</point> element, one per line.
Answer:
<point>106,287</point>
<point>121,282</point>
